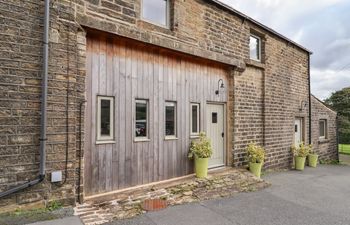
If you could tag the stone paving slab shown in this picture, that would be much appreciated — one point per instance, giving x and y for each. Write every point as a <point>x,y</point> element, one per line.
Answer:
<point>221,183</point>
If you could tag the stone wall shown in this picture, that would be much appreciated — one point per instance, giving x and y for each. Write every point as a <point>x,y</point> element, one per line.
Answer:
<point>21,32</point>
<point>286,87</point>
<point>248,119</point>
<point>326,148</point>
<point>265,98</point>
<point>268,97</point>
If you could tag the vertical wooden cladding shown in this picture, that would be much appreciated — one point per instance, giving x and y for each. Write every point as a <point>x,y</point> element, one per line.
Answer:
<point>129,70</point>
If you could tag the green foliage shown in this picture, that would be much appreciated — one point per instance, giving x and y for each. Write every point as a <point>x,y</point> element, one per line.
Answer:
<point>200,148</point>
<point>329,162</point>
<point>53,205</point>
<point>340,102</point>
<point>302,150</point>
<point>344,129</point>
<point>255,153</point>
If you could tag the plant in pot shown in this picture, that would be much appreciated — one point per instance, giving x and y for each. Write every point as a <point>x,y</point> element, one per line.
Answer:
<point>300,153</point>
<point>312,157</point>
<point>256,156</point>
<point>201,151</point>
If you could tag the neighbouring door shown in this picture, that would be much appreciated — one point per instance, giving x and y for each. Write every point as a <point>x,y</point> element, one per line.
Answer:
<point>298,131</point>
<point>215,131</point>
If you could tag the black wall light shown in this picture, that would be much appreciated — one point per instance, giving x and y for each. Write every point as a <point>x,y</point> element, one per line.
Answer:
<point>220,86</point>
<point>303,105</point>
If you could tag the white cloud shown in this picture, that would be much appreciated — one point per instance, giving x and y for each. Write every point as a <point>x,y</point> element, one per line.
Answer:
<point>324,82</point>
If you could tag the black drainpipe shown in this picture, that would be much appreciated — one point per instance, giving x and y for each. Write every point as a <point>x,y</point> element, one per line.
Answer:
<point>42,139</point>
<point>310,122</point>
<point>337,134</point>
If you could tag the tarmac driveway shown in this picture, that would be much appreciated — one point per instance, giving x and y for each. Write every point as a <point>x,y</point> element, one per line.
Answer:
<point>313,197</point>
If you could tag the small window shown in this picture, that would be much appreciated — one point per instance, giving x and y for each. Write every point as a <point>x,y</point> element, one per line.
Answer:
<point>105,118</point>
<point>170,119</point>
<point>195,116</point>
<point>323,129</point>
<point>214,117</point>
<point>255,47</point>
<point>141,124</point>
<point>156,11</point>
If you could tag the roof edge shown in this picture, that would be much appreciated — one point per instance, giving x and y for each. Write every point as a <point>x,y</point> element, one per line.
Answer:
<point>322,102</point>
<point>260,24</point>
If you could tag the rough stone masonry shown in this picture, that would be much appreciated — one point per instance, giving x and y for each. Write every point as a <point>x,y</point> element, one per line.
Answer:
<point>264,97</point>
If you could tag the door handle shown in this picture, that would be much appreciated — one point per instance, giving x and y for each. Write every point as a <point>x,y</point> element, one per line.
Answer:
<point>222,134</point>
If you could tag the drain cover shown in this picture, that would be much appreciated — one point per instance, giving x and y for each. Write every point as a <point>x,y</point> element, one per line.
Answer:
<point>154,204</point>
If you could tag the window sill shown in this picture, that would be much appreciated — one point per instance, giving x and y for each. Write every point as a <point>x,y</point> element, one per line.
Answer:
<point>154,27</point>
<point>323,141</point>
<point>170,138</point>
<point>142,140</point>
<point>255,63</point>
<point>102,142</point>
<point>194,136</point>
<point>144,20</point>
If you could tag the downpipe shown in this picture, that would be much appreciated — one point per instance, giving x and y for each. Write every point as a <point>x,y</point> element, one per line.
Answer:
<point>43,120</point>
<point>310,105</point>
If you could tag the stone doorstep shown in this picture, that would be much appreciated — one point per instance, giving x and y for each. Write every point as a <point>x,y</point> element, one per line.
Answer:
<point>219,183</point>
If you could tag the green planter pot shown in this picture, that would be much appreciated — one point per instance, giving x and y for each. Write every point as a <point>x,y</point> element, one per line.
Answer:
<point>312,158</point>
<point>255,168</point>
<point>300,163</point>
<point>201,167</point>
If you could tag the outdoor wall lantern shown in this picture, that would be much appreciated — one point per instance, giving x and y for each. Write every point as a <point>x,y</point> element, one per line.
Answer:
<point>303,105</point>
<point>220,86</point>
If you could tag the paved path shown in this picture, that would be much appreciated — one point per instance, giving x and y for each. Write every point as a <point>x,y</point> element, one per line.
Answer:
<point>318,196</point>
<point>73,220</point>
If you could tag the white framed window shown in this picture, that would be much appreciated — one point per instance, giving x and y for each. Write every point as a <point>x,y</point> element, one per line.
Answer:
<point>141,119</point>
<point>195,119</point>
<point>323,129</point>
<point>170,119</point>
<point>156,11</point>
<point>255,47</point>
<point>105,119</point>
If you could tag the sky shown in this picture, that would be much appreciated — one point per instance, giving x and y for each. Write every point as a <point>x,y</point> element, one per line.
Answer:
<point>322,26</point>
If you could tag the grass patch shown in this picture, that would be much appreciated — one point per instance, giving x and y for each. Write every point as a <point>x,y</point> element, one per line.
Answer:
<point>344,148</point>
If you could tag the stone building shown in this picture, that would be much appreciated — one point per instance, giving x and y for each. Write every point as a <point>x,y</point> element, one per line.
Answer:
<point>153,76</point>
<point>324,130</point>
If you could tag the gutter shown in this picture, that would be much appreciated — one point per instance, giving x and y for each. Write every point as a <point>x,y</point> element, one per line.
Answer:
<point>309,77</point>
<point>43,120</point>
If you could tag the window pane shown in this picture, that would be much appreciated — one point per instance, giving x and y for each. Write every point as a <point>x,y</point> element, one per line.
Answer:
<point>195,119</point>
<point>170,120</point>
<point>105,117</point>
<point>141,119</point>
<point>254,46</point>
<point>214,117</point>
<point>155,11</point>
<point>322,128</point>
